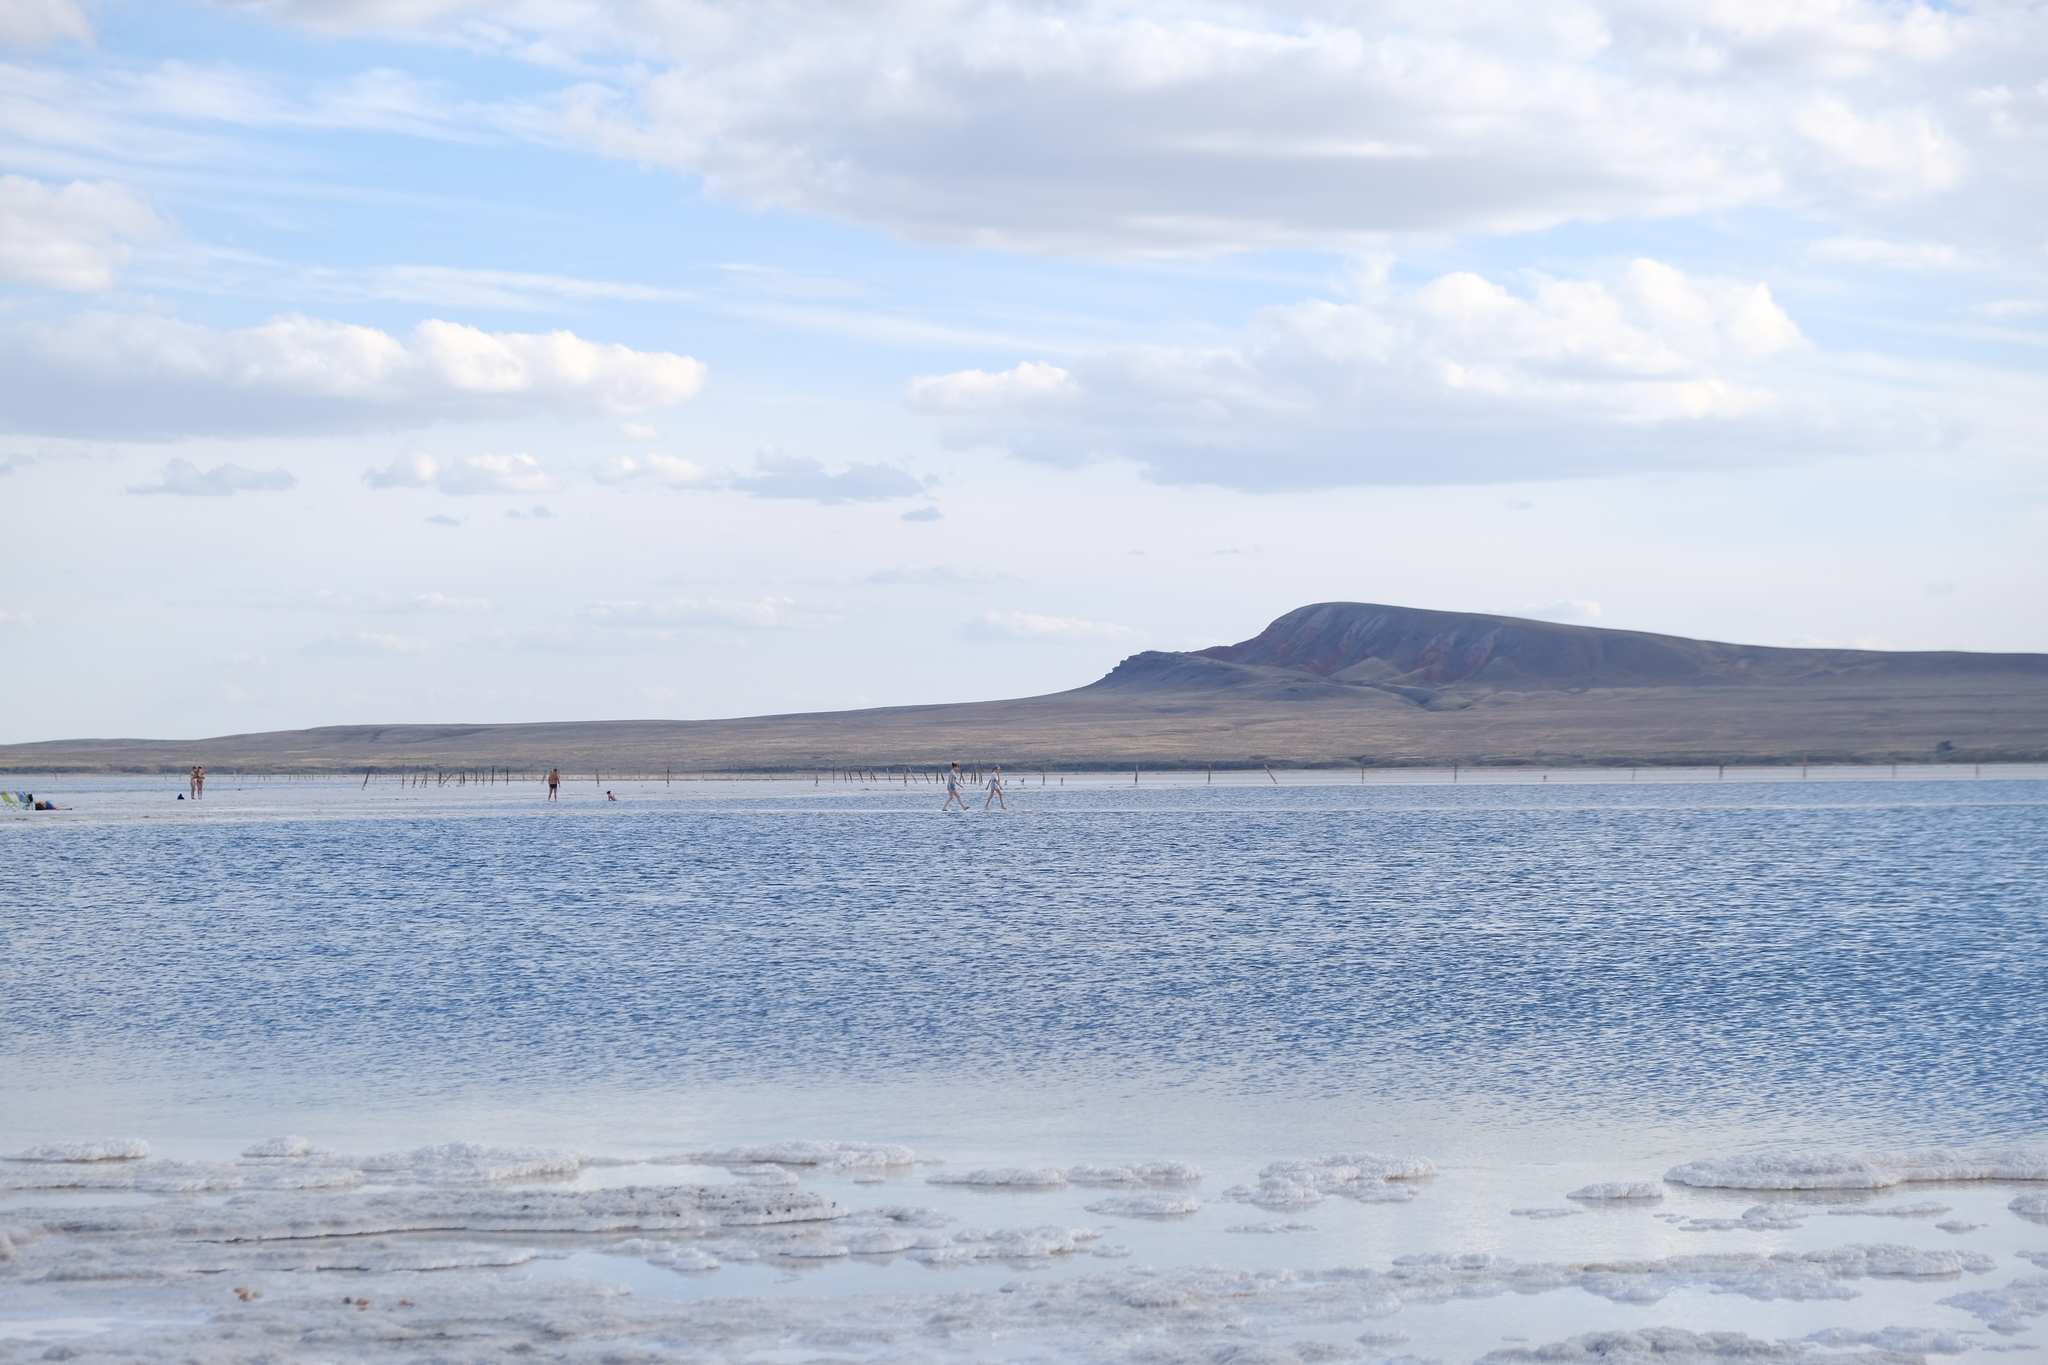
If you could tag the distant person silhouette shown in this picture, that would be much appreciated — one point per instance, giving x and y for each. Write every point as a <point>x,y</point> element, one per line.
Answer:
<point>953,780</point>
<point>198,782</point>
<point>995,789</point>
<point>608,795</point>
<point>554,782</point>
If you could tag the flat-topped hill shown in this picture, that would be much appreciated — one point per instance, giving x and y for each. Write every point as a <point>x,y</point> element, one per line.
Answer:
<point>1336,683</point>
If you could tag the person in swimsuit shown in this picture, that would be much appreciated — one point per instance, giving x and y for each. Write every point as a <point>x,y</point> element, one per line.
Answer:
<point>953,779</point>
<point>554,781</point>
<point>198,782</point>
<point>995,789</point>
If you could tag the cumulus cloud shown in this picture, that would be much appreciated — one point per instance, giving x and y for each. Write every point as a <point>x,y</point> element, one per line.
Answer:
<point>994,626</point>
<point>763,613</point>
<point>659,471</point>
<point>923,514</point>
<point>1114,127</point>
<point>186,479</point>
<point>795,476</point>
<point>1461,379</point>
<point>464,474</point>
<point>145,376</point>
<point>73,236</point>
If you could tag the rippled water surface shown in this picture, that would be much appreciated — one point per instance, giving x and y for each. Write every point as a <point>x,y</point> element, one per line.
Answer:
<point>1537,985</point>
<point>1843,960</point>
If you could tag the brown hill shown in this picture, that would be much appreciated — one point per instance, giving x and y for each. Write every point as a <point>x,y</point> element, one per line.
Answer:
<point>1335,683</point>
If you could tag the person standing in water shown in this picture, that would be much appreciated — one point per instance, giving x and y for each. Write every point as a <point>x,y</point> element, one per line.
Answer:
<point>953,779</point>
<point>198,781</point>
<point>995,789</point>
<point>554,782</point>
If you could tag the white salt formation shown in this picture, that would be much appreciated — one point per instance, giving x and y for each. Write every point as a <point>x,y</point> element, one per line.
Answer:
<point>1364,1176</point>
<point>1039,1177</point>
<point>1152,1205</point>
<point>109,1149</point>
<point>1807,1169</point>
<point>1618,1190</point>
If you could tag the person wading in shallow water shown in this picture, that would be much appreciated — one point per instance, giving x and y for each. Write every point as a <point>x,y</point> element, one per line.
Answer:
<point>995,789</point>
<point>554,782</point>
<point>198,781</point>
<point>953,780</point>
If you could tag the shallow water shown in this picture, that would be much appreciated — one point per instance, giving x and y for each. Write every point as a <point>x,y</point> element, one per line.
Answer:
<point>1536,985</point>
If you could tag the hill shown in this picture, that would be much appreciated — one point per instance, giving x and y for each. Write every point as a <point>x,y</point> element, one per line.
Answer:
<point>1335,683</point>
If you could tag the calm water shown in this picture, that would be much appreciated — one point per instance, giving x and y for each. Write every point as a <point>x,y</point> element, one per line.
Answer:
<point>1855,962</point>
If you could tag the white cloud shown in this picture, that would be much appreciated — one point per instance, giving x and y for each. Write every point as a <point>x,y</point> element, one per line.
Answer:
<point>186,479</point>
<point>464,475</point>
<point>795,476</point>
<point>24,620</point>
<point>73,236</point>
<point>145,376</point>
<point>1457,380</point>
<point>1112,128</point>
<point>34,23</point>
<point>993,626</point>
<point>763,613</point>
<point>662,471</point>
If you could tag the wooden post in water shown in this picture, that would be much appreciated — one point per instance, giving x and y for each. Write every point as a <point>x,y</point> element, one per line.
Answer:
<point>1269,772</point>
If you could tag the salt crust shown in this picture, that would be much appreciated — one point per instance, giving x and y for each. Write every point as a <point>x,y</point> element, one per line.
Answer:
<point>108,1149</point>
<point>1123,1317</point>
<point>1677,1346</point>
<point>1618,1190</point>
<point>1544,1213</point>
<point>1813,1169</point>
<point>2032,1205</point>
<point>2007,1309</point>
<point>1155,1205</point>
<point>1138,1173</point>
<point>828,1156</point>
<point>1364,1176</point>
<point>1029,1177</point>
<point>1928,1209</point>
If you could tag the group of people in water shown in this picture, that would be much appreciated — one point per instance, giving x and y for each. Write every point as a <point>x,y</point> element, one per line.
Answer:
<point>994,786</point>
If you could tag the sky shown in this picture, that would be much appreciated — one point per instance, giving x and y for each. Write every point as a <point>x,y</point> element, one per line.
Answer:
<point>378,361</point>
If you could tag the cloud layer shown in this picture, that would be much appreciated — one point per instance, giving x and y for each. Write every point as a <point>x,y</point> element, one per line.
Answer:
<point>1459,380</point>
<point>185,479</point>
<point>110,375</point>
<point>1112,128</point>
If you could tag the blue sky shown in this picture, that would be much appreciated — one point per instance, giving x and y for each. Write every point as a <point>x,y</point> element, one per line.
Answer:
<point>393,360</point>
